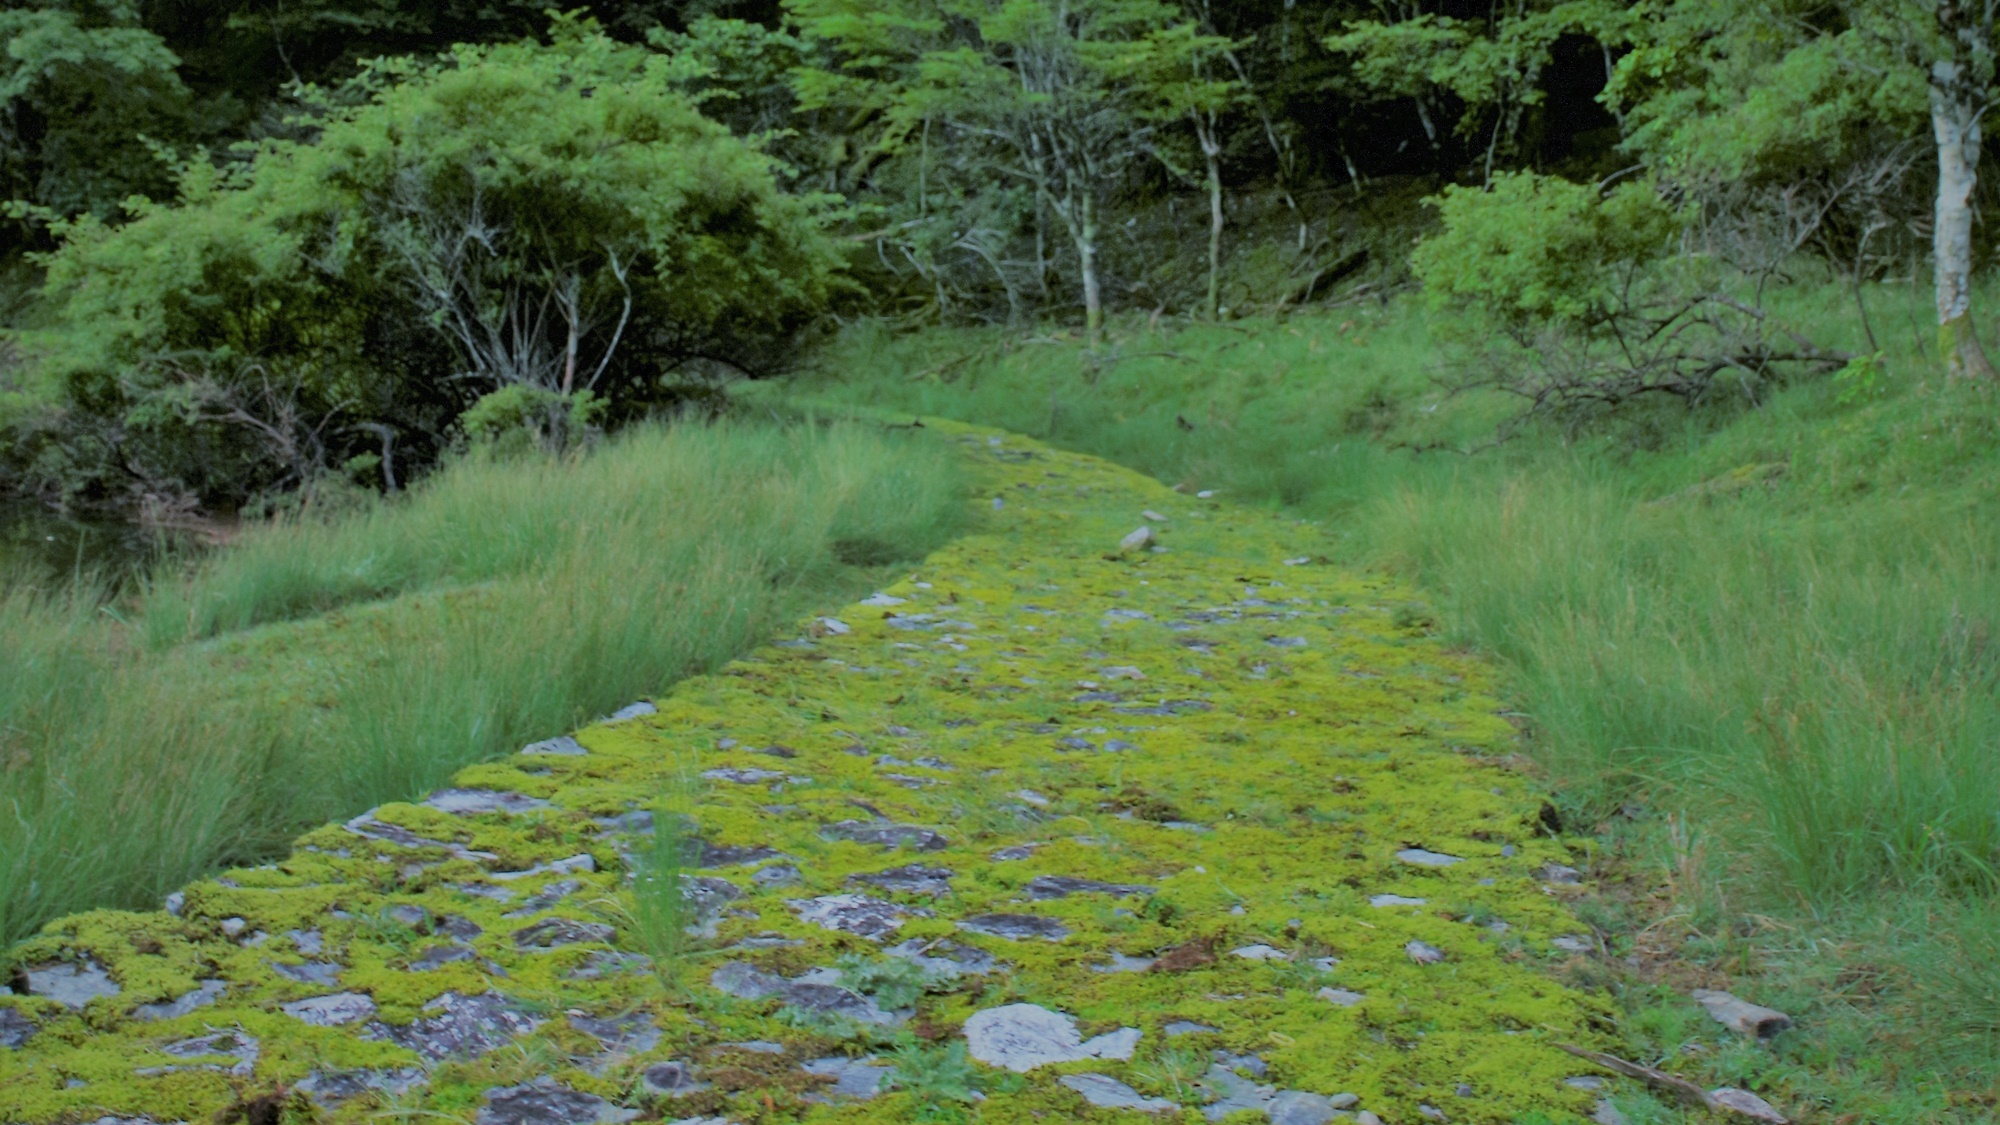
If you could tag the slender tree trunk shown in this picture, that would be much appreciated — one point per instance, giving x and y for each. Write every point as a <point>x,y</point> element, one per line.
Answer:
<point>1086,252</point>
<point>1955,122</point>
<point>1213,151</point>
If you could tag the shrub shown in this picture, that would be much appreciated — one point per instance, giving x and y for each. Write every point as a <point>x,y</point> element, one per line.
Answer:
<point>555,217</point>
<point>1582,301</point>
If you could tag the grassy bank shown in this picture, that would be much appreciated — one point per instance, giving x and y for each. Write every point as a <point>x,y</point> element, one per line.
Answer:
<point>1756,652</point>
<point>314,669</point>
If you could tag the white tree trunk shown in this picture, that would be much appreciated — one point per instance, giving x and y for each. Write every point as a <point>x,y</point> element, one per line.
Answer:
<point>1086,252</point>
<point>1955,122</point>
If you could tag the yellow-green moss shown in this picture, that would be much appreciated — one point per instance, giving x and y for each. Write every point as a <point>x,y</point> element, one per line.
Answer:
<point>1311,766</point>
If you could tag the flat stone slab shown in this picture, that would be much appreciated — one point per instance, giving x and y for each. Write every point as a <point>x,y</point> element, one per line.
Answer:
<point>1106,1092</point>
<point>862,915</point>
<point>336,1010</point>
<point>1044,887</point>
<point>1016,927</point>
<point>547,1102</point>
<point>909,879</point>
<point>71,984</point>
<point>1023,1037</point>
<point>882,835</point>
<point>473,802</point>
<point>462,1027</point>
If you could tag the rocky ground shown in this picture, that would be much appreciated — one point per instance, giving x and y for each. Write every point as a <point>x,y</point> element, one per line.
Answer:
<point>1077,822</point>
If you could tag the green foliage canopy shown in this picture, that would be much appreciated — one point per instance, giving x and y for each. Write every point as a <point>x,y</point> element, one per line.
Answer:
<point>560,217</point>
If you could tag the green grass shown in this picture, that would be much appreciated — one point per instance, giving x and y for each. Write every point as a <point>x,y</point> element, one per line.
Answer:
<point>1757,652</point>
<point>314,669</point>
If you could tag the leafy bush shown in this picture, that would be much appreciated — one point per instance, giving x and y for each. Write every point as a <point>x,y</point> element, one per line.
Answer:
<point>558,217</point>
<point>1581,300</point>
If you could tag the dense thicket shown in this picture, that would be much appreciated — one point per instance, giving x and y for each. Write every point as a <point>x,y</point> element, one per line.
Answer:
<point>998,160</point>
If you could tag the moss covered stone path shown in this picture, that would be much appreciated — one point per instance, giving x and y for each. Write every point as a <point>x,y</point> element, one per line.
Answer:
<point>1046,831</point>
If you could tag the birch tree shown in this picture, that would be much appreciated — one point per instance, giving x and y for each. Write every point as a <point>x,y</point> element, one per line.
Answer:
<point>1037,92</point>
<point>1728,91</point>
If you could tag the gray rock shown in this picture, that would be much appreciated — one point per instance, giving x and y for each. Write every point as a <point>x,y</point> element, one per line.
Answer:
<point>872,918</point>
<point>632,711</point>
<point>15,1028</point>
<point>1747,1104</point>
<point>546,898</point>
<point>70,983</point>
<point>238,1048</point>
<point>610,963</point>
<point>1394,900</point>
<point>746,981</point>
<point>833,1000</point>
<point>583,861</point>
<point>758,1047</point>
<point>1016,927</point>
<point>886,835</point>
<point>204,994</point>
<point>408,915</point>
<point>1423,858</point>
<point>727,855</point>
<point>461,1027</point>
<point>330,1088</point>
<point>1344,1101</point>
<point>174,903</point>
<point>1022,1037</point>
<point>1423,953</point>
<point>1558,873</point>
<point>777,875</point>
<point>1741,1016</point>
<point>1260,952</point>
<point>316,973</point>
<point>1296,1107</point>
<point>471,802</point>
<point>1572,943</point>
<point>632,1035</point>
<point>544,1101</point>
<point>944,958</point>
<point>911,878</point>
<point>1120,963</point>
<point>438,956</point>
<point>1106,1092</point>
<point>852,1079</point>
<point>1341,997</point>
<point>308,942</point>
<point>332,1011</point>
<point>1021,851</point>
<point>670,1080</point>
<point>1250,1062</point>
<point>707,895</point>
<point>1230,1092</point>
<point>1604,1113</point>
<point>462,929</point>
<point>552,932</point>
<point>1137,541</point>
<point>1585,1082</point>
<point>738,776</point>
<point>563,747</point>
<point>1188,1027</point>
<point>1286,642</point>
<point>1044,887</point>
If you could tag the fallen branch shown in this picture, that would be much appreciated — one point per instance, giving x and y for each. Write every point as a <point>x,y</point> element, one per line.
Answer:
<point>1725,1101</point>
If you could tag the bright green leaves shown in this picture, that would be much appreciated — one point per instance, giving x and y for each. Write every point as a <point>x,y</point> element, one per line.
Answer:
<point>1538,248</point>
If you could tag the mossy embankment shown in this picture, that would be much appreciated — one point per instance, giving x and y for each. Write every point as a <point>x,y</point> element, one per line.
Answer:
<point>1222,794</point>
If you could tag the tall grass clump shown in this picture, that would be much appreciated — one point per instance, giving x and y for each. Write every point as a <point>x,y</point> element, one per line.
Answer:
<point>314,669</point>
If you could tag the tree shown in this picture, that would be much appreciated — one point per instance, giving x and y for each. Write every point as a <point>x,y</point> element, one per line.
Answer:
<point>82,89</point>
<point>1033,91</point>
<point>1720,91</point>
<point>1186,76</point>
<point>558,218</point>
